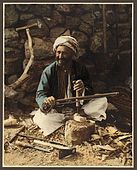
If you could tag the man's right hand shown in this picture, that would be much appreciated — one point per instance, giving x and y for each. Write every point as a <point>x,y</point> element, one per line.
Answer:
<point>48,103</point>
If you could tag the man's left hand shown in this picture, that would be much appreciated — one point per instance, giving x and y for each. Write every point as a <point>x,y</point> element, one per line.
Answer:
<point>79,86</point>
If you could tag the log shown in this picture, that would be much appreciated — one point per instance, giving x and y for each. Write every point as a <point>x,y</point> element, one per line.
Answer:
<point>77,132</point>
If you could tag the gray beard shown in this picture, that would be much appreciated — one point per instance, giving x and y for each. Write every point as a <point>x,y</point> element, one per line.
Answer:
<point>64,64</point>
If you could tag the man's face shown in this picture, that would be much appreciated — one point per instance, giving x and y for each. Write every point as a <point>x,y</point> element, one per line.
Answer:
<point>64,56</point>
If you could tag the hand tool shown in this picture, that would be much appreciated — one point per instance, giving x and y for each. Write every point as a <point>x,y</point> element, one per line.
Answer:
<point>37,24</point>
<point>27,145</point>
<point>63,150</point>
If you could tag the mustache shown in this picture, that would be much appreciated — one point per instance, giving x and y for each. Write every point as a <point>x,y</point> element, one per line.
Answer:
<point>62,60</point>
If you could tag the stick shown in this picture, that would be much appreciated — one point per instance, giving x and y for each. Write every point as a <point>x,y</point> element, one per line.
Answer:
<point>38,138</point>
<point>87,97</point>
<point>26,145</point>
<point>77,102</point>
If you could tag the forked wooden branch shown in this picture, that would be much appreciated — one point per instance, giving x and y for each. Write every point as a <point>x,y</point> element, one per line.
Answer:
<point>10,90</point>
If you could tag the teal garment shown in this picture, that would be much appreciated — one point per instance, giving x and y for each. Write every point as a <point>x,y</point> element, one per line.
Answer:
<point>48,85</point>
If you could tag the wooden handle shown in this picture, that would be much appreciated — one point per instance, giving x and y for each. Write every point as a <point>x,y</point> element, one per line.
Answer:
<point>77,102</point>
<point>27,145</point>
<point>57,146</point>
<point>25,75</point>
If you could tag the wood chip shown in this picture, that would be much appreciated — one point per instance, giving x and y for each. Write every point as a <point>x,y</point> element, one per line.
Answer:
<point>111,130</point>
<point>123,137</point>
<point>105,147</point>
<point>95,137</point>
<point>11,121</point>
<point>119,143</point>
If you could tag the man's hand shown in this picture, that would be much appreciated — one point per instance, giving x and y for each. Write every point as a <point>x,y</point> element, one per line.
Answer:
<point>79,86</point>
<point>48,103</point>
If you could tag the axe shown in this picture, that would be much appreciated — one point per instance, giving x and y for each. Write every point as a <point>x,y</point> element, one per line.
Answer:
<point>63,150</point>
<point>11,90</point>
<point>36,24</point>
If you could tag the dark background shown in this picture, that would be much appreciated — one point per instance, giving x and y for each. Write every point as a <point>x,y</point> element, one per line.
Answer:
<point>104,32</point>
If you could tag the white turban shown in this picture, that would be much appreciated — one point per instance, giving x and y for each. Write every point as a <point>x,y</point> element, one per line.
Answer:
<point>68,41</point>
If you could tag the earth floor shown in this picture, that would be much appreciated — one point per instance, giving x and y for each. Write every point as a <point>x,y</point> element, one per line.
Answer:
<point>96,152</point>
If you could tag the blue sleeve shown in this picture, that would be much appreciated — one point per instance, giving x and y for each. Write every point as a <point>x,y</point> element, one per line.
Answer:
<point>43,90</point>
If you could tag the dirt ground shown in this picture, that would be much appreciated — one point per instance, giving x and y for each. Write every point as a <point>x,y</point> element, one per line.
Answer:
<point>99,151</point>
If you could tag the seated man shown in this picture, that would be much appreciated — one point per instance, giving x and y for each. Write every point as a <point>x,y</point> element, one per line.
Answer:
<point>62,79</point>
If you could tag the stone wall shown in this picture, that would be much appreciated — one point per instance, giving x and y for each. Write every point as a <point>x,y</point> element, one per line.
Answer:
<point>109,63</point>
